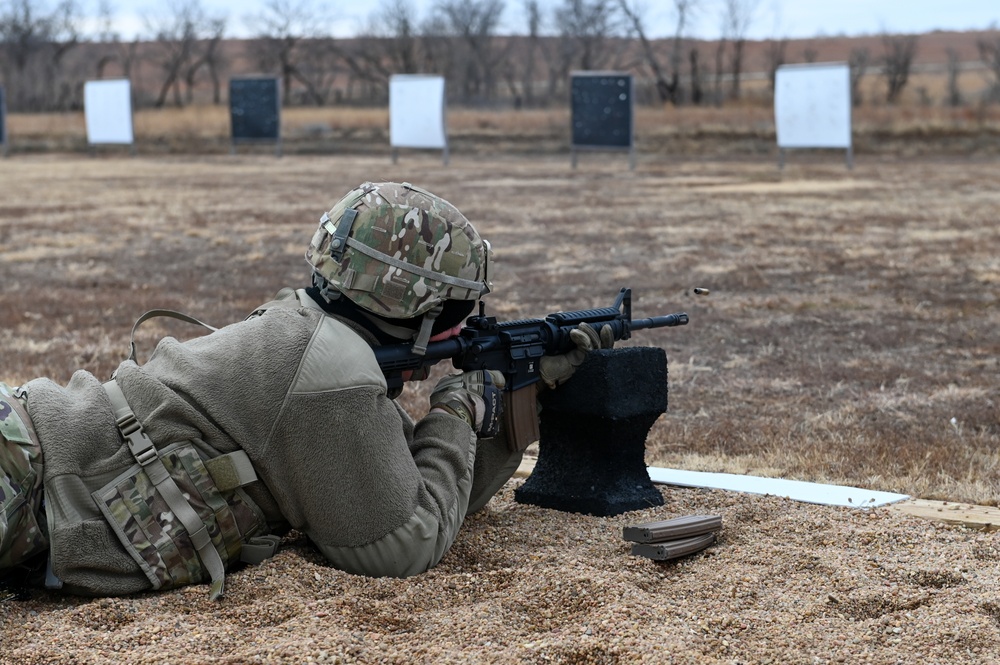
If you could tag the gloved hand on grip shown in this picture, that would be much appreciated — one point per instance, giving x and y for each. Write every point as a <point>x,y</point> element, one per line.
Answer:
<point>475,397</point>
<point>556,370</point>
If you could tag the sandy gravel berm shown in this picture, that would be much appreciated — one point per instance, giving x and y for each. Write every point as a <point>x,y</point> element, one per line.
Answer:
<point>786,583</point>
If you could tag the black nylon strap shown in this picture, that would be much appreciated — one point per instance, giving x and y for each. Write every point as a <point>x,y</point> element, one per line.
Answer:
<point>493,414</point>
<point>338,243</point>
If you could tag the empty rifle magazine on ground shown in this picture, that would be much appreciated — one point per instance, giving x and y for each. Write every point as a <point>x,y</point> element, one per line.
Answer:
<point>672,529</point>
<point>673,549</point>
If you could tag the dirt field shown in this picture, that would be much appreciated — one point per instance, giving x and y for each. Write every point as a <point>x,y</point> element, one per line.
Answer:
<point>850,337</point>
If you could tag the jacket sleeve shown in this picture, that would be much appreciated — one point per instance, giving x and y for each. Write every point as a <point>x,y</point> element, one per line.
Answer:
<point>381,507</point>
<point>375,499</point>
<point>495,464</point>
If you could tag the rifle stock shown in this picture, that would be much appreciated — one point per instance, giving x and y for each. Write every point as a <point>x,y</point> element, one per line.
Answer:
<point>514,347</point>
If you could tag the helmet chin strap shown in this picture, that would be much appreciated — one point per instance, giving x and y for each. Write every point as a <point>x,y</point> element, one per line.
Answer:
<point>325,289</point>
<point>399,332</point>
<point>424,336</point>
<point>420,338</point>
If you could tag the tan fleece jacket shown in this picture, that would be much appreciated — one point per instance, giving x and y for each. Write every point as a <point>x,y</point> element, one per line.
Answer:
<point>302,394</point>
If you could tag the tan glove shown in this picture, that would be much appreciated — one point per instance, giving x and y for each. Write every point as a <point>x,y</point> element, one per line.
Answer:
<point>556,370</point>
<point>475,397</point>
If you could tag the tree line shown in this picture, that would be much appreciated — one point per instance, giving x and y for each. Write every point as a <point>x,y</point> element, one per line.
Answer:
<point>46,55</point>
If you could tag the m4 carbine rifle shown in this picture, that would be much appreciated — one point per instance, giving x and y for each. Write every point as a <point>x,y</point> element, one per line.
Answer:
<point>515,347</point>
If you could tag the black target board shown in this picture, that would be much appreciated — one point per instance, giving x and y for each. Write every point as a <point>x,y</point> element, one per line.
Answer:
<point>601,111</point>
<point>255,109</point>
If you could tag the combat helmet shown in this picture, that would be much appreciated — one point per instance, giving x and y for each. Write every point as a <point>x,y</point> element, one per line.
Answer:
<point>399,252</point>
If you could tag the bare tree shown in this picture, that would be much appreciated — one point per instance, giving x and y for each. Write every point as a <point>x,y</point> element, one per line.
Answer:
<point>389,43</point>
<point>989,53</point>
<point>954,69</point>
<point>857,63</point>
<point>809,54</point>
<point>519,71</point>
<point>106,36</point>
<point>586,30</point>
<point>720,67</point>
<point>208,56</point>
<point>112,49</point>
<point>897,59</point>
<point>474,23</point>
<point>738,17</point>
<point>667,84</point>
<point>288,36</point>
<point>559,54</point>
<point>175,33</point>
<point>775,55</point>
<point>694,64</point>
<point>318,69</point>
<point>437,48</point>
<point>533,13</point>
<point>34,41</point>
<point>400,21</point>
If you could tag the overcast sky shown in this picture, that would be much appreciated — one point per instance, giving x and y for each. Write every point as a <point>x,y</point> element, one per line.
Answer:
<point>772,18</point>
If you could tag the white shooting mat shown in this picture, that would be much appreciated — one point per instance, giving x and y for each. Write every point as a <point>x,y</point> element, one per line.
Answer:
<point>812,106</point>
<point>107,106</point>
<point>827,495</point>
<point>416,112</point>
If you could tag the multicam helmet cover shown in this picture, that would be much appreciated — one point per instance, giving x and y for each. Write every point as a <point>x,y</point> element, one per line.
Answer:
<point>399,251</point>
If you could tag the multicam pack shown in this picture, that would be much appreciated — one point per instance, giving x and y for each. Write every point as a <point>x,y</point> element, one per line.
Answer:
<point>22,533</point>
<point>181,512</point>
<point>399,251</point>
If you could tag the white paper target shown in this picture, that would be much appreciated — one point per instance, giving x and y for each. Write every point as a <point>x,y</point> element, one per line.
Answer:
<point>812,106</point>
<point>416,112</point>
<point>107,107</point>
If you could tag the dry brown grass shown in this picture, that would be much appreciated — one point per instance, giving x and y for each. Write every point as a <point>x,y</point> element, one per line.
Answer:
<point>851,334</point>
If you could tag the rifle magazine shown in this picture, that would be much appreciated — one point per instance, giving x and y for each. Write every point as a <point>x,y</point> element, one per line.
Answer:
<point>520,414</point>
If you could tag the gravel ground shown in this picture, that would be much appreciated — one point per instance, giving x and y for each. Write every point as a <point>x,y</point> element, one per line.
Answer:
<point>787,582</point>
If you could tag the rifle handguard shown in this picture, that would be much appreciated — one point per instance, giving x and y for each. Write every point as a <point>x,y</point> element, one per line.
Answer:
<point>515,348</point>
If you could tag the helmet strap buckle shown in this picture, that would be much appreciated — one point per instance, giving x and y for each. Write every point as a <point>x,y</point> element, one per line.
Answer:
<point>338,242</point>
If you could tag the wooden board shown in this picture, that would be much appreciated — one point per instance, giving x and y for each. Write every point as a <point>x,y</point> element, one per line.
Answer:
<point>968,515</point>
<point>526,466</point>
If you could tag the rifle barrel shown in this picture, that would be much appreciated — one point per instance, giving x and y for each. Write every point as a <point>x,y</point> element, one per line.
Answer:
<point>666,321</point>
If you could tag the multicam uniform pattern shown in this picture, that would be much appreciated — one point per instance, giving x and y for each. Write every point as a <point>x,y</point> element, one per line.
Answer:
<point>22,535</point>
<point>408,251</point>
<point>153,534</point>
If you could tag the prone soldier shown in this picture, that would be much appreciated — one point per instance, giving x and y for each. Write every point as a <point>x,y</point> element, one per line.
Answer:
<point>177,470</point>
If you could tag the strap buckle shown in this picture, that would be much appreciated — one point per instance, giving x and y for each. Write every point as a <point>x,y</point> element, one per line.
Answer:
<point>140,445</point>
<point>338,242</point>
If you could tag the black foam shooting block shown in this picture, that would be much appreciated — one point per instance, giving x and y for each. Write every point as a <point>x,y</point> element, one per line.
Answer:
<point>593,431</point>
